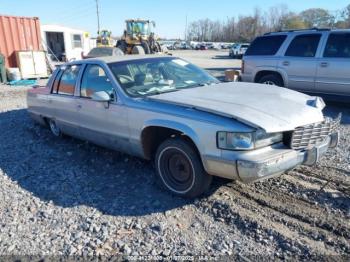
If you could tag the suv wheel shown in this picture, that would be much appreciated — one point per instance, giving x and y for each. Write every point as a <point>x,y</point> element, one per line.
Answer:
<point>180,169</point>
<point>271,79</point>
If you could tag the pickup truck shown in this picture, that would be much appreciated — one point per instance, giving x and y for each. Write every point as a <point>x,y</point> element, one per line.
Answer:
<point>192,126</point>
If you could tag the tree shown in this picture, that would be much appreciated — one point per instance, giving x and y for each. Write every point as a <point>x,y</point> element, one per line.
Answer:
<point>294,22</point>
<point>277,18</point>
<point>317,17</point>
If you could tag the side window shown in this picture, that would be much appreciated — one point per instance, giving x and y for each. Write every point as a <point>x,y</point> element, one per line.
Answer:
<point>266,45</point>
<point>68,79</point>
<point>304,46</point>
<point>55,83</point>
<point>76,41</point>
<point>338,45</point>
<point>94,80</point>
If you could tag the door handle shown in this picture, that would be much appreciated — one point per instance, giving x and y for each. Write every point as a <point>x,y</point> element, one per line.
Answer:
<point>286,63</point>
<point>79,106</point>
<point>324,64</point>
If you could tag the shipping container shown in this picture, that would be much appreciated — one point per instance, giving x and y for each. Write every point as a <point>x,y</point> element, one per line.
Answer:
<point>18,34</point>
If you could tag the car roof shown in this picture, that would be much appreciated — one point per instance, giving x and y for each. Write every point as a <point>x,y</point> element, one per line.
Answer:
<point>113,59</point>
<point>103,47</point>
<point>309,30</point>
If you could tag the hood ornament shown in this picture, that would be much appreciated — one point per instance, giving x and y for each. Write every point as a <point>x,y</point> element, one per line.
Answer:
<point>316,102</point>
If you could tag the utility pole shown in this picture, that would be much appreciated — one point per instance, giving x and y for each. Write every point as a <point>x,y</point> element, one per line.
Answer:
<point>98,18</point>
<point>186,29</point>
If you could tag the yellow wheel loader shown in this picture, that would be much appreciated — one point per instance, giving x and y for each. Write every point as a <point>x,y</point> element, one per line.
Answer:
<point>104,38</point>
<point>139,38</point>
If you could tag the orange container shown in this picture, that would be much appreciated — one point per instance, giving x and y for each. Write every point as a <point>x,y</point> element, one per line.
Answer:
<point>18,34</point>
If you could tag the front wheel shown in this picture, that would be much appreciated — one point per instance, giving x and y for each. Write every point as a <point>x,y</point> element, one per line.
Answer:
<point>180,170</point>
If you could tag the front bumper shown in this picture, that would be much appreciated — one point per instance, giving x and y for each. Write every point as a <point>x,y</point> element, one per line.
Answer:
<point>269,163</point>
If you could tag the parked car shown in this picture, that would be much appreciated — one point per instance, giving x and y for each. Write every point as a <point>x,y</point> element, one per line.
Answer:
<point>201,47</point>
<point>103,51</point>
<point>313,61</point>
<point>184,46</point>
<point>238,50</point>
<point>192,126</point>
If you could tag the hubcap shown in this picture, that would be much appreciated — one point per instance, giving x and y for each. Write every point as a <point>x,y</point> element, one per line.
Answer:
<point>176,170</point>
<point>54,129</point>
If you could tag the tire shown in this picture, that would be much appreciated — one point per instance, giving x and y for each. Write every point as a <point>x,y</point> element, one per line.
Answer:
<point>271,79</point>
<point>138,50</point>
<point>158,48</point>
<point>146,47</point>
<point>55,130</point>
<point>180,170</point>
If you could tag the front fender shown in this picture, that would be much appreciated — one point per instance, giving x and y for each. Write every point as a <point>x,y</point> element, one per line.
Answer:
<point>183,128</point>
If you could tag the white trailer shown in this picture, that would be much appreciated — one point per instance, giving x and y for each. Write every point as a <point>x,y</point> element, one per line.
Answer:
<point>65,43</point>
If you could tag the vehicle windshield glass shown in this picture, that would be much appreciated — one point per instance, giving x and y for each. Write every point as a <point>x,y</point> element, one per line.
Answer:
<point>101,51</point>
<point>138,28</point>
<point>151,76</point>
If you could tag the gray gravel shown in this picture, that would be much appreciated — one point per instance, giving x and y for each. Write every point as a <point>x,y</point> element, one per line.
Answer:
<point>68,197</point>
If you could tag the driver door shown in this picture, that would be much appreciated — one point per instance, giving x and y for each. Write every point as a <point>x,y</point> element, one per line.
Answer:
<point>104,123</point>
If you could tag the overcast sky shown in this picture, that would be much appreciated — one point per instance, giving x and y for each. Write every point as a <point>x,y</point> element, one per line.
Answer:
<point>170,16</point>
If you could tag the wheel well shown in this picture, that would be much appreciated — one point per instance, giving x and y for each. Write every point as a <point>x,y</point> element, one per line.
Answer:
<point>263,73</point>
<point>153,136</point>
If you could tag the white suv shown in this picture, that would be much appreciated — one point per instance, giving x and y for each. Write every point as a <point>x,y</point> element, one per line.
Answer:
<point>311,61</point>
<point>238,50</point>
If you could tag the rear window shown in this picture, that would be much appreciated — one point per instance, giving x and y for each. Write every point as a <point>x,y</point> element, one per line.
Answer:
<point>101,51</point>
<point>266,45</point>
<point>68,79</point>
<point>304,46</point>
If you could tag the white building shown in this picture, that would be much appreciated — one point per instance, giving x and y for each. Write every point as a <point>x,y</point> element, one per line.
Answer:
<point>65,43</point>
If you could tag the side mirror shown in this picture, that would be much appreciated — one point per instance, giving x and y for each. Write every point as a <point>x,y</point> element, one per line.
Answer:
<point>101,96</point>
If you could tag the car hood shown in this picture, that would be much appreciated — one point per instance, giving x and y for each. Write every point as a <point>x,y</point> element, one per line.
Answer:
<point>271,108</point>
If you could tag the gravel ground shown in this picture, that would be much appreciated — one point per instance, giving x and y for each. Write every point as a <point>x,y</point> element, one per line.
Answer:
<point>68,197</point>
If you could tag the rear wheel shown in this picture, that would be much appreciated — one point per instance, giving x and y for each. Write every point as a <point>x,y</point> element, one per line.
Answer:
<point>271,79</point>
<point>55,130</point>
<point>180,169</point>
<point>138,50</point>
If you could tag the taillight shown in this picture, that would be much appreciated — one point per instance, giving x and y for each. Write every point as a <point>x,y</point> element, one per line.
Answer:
<point>242,67</point>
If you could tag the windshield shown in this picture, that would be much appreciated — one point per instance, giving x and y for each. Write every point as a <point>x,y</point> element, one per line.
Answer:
<point>151,76</point>
<point>138,28</point>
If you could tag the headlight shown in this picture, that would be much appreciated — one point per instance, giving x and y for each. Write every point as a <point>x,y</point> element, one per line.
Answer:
<point>247,141</point>
<point>235,141</point>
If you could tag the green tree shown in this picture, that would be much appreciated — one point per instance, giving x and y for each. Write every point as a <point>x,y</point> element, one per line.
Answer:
<point>317,17</point>
<point>294,22</point>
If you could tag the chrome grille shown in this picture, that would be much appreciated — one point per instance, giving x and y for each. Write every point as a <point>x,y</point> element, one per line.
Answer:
<point>307,136</point>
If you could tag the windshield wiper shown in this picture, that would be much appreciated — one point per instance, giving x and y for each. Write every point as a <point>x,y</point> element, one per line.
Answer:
<point>199,84</point>
<point>157,92</point>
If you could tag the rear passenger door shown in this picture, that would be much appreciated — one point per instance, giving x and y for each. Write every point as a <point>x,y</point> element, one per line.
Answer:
<point>299,61</point>
<point>333,69</point>
<point>63,102</point>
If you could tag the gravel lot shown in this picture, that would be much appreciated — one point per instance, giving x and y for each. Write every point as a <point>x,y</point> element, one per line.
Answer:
<point>69,197</point>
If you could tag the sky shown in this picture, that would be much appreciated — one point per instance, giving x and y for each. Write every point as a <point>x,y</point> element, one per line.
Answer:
<point>170,16</point>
